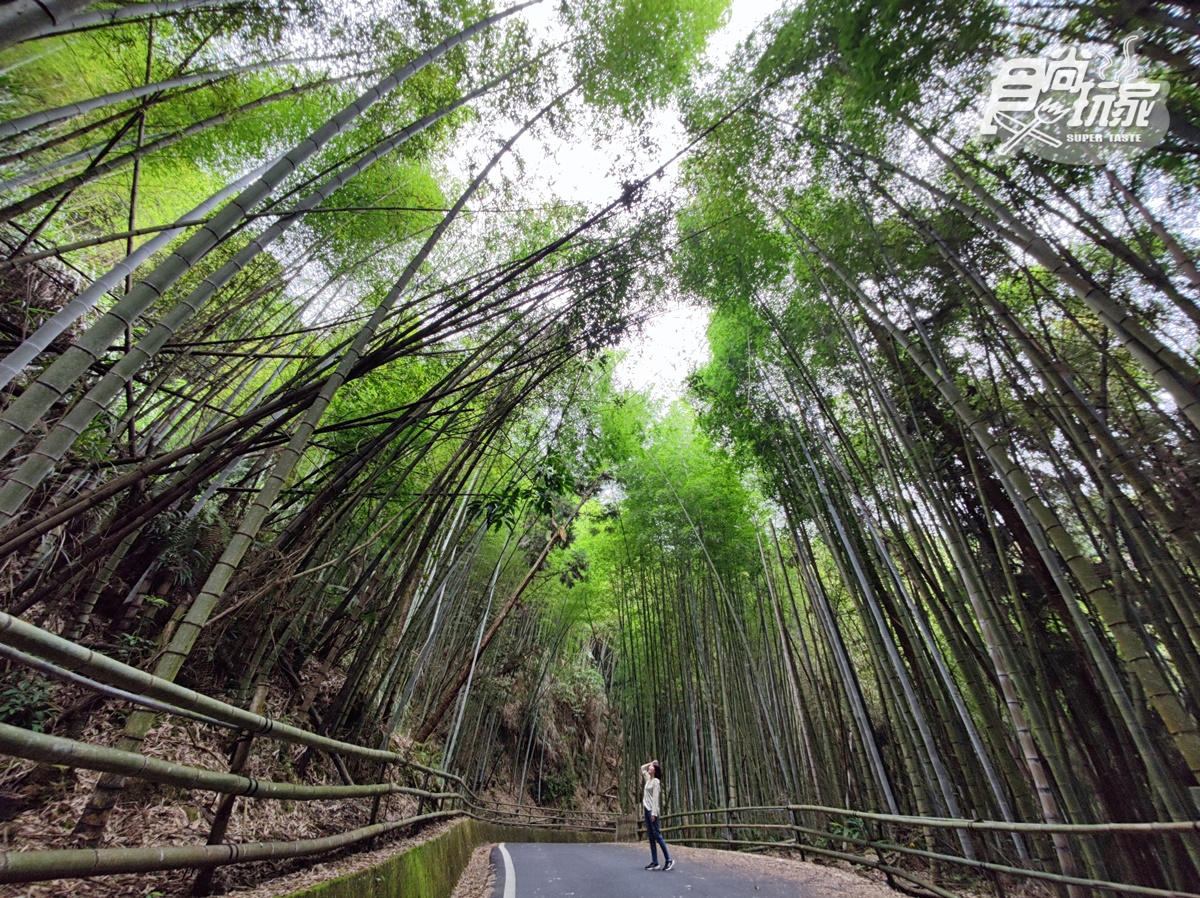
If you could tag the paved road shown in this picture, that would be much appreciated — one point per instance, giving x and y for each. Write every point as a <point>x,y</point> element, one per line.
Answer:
<point>544,870</point>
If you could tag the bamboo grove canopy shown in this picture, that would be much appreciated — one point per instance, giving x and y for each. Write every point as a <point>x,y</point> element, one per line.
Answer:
<point>307,388</point>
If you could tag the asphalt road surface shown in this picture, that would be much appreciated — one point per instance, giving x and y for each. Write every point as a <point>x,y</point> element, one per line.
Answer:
<point>547,870</point>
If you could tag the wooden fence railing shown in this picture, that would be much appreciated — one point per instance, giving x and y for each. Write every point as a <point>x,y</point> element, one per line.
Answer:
<point>790,827</point>
<point>34,648</point>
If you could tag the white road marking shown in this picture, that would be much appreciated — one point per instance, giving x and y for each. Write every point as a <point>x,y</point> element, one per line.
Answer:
<point>510,875</point>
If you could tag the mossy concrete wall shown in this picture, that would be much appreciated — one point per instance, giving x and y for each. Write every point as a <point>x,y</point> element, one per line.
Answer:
<point>431,869</point>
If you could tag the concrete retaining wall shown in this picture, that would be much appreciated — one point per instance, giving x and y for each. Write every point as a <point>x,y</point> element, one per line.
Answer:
<point>431,869</point>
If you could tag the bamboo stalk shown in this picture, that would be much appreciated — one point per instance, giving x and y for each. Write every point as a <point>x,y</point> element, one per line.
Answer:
<point>38,866</point>
<point>47,749</point>
<point>26,637</point>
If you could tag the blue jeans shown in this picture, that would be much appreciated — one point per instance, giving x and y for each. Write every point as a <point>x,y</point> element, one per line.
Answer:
<point>656,839</point>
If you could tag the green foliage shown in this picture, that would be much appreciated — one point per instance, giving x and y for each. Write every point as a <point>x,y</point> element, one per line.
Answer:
<point>185,548</point>
<point>860,60</point>
<point>623,422</point>
<point>497,399</point>
<point>130,647</point>
<point>26,703</point>
<point>630,54</point>
<point>724,387</point>
<point>578,685</point>
<point>499,507</point>
<point>411,199</point>
<point>573,568</point>
<point>731,251</point>
<point>378,395</point>
<point>685,494</point>
<point>557,788</point>
<point>850,828</point>
<point>93,444</point>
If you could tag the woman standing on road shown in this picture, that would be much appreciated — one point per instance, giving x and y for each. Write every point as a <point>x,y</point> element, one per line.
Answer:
<point>651,793</point>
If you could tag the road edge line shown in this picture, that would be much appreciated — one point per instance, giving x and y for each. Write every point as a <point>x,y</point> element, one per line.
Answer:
<point>510,875</point>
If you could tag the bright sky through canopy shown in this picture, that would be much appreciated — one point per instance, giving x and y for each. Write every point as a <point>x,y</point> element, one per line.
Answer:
<point>590,171</point>
<point>673,343</point>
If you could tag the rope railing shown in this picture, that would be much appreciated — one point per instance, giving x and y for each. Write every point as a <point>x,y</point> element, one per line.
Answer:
<point>54,656</point>
<point>763,820</point>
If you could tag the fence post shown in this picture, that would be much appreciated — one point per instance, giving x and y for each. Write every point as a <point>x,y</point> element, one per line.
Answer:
<point>796,832</point>
<point>378,799</point>
<point>987,857</point>
<point>421,798</point>
<point>873,830</point>
<point>241,755</point>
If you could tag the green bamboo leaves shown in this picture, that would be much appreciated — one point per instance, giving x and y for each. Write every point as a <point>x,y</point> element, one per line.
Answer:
<point>646,48</point>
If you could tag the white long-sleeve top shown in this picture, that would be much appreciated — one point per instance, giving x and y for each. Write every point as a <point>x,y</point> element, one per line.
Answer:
<point>651,791</point>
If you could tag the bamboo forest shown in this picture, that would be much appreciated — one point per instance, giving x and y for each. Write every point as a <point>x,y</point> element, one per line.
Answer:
<point>352,485</point>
